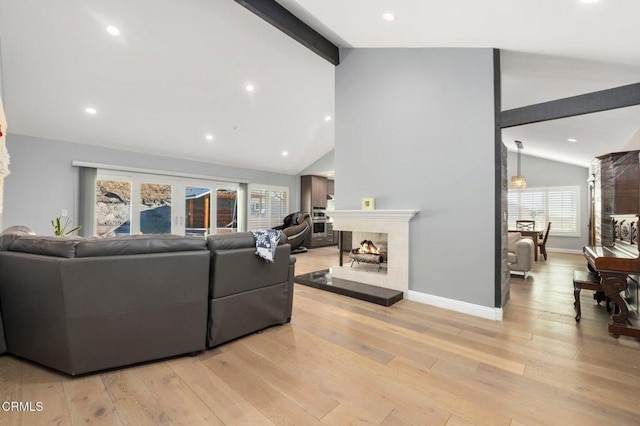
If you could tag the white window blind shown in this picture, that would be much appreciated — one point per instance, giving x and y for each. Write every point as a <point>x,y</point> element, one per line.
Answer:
<point>268,206</point>
<point>558,205</point>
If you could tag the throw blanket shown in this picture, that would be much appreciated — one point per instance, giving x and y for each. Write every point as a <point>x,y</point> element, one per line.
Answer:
<point>266,243</point>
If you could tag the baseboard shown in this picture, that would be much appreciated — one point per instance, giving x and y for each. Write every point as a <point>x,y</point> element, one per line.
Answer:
<point>494,314</point>
<point>561,250</point>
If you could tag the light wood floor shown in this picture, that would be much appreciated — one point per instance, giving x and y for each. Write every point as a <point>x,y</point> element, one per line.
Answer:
<point>344,361</point>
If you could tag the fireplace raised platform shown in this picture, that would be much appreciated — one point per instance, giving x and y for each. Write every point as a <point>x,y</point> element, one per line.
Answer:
<point>324,280</point>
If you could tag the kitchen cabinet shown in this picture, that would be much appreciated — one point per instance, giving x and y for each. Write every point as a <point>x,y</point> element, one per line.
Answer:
<point>347,237</point>
<point>331,235</point>
<point>318,241</point>
<point>331,187</point>
<point>313,192</point>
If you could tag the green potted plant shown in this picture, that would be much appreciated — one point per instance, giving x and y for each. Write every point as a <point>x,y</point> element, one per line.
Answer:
<point>60,229</point>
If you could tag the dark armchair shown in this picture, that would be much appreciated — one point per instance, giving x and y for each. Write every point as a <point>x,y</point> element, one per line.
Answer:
<point>296,227</point>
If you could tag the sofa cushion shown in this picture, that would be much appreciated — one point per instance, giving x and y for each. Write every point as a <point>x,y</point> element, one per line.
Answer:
<point>138,244</point>
<point>238,240</point>
<point>46,246</point>
<point>6,240</point>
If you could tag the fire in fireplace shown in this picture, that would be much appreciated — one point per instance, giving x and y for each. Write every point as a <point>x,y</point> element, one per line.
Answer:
<point>367,253</point>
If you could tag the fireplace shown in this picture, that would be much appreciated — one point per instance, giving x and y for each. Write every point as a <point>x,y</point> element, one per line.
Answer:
<point>389,231</point>
<point>368,253</point>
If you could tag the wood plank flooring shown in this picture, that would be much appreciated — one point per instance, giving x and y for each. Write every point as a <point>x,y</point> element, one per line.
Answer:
<point>344,361</point>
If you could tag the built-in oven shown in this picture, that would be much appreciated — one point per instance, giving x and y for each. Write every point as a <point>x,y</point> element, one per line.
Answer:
<point>318,221</point>
<point>319,228</point>
<point>318,214</point>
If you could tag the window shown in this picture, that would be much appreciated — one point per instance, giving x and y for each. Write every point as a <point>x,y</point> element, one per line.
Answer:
<point>113,206</point>
<point>137,203</point>
<point>558,205</point>
<point>268,206</point>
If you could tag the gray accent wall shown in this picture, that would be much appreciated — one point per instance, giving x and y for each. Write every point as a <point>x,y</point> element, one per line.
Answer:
<point>43,182</point>
<point>415,129</point>
<point>541,172</point>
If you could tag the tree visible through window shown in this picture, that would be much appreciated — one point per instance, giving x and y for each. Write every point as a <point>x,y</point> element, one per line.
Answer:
<point>558,205</point>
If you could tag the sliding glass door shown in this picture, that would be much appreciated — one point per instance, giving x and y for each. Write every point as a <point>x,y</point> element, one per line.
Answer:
<point>211,209</point>
<point>226,212</point>
<point>148,204</point>
<point>113,206</point>
<point>155,209</point>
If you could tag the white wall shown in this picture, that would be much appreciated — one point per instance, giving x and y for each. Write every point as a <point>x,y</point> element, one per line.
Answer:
<point>323,165</point>
<point>634,143</point>
<point>42,181</point>
<point>419,124</point>
<point>541,172</point>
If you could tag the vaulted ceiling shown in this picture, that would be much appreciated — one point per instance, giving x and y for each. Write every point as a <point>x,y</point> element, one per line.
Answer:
<point>178,71</point>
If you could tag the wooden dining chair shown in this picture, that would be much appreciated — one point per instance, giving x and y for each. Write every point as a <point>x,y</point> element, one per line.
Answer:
<point>543,244</point>
<point>525,225</point>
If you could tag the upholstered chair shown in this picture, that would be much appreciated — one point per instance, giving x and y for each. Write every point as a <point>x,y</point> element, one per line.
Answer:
<point>296,228</point>
<point>520,253</point>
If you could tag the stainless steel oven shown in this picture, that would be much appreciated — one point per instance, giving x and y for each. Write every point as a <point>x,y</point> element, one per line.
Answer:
<point>318,221</point>
<point>318,214</point>
<point>319,228</point>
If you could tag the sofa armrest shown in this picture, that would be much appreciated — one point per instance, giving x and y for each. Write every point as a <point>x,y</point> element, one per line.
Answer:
<point>292,273</point>
<point>525,252</point>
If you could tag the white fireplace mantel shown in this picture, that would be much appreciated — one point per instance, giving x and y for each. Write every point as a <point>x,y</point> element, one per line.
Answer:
<point>401,215</point>
<point>394,223</point>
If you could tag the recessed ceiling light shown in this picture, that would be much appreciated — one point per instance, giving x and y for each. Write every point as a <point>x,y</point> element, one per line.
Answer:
<point>388,17</point>
<point>327,118</point>
<point>250,88</point>
<point>114,31</point>
<point>90,110</point>
<point>285,153</point>
<point>572,140</point>
<point>209,137</point>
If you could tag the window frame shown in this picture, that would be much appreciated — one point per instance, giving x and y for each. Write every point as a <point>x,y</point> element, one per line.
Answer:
<point>267,220</point>
<point>558,229</point>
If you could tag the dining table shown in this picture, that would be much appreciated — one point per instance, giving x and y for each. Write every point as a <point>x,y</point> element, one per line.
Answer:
<point>536,234</point>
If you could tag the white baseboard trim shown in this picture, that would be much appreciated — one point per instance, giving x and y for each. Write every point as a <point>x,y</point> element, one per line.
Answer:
<point>561,250</point>
<point>494,314</point>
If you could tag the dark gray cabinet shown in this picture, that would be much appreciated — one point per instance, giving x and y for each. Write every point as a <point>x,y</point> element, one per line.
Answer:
<point>347,237</point>
<point>313,192</point>
<point>331,236</point>
<point>331,187</point>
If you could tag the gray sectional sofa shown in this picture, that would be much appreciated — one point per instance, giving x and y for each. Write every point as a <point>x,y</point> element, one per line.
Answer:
<point>246,294</point>
<point>83,305</point>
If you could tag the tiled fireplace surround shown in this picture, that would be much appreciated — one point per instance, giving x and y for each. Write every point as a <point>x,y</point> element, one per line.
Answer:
<point>394,223</point>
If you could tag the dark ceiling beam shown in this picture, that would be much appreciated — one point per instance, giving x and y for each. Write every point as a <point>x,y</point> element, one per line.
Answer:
<point>281,18</point>
<point>603,100</point>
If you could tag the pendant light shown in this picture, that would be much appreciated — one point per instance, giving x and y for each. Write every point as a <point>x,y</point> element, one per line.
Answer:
<point>518,181</point>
